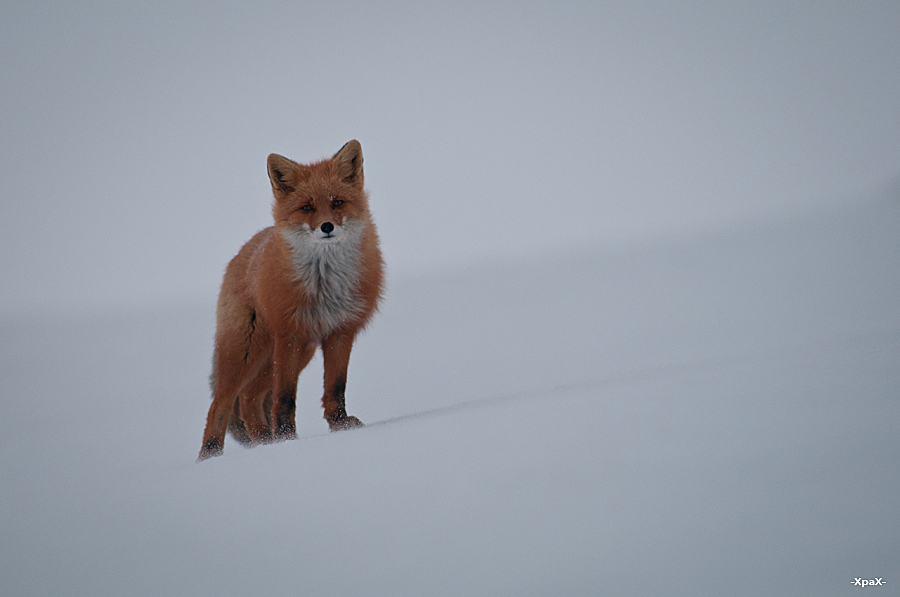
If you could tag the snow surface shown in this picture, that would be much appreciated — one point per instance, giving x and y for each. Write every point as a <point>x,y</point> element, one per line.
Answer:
<point>714,415</point>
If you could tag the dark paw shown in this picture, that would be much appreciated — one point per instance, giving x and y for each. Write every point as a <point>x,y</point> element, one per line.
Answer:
<point>284,433</point>
<point>348,422</point>
<point>212,447</point>
<point>263,437</point>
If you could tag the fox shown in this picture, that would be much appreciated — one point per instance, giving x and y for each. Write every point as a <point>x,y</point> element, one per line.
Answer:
<point>312,280</point>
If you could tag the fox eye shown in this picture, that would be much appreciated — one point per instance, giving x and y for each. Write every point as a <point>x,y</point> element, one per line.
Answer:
<point>307,207</point>
<point>337,203</point>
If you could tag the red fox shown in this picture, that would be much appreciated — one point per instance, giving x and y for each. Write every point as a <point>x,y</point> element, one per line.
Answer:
<point>313,279</point>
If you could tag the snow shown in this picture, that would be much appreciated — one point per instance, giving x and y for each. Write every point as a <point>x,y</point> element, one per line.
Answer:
<point>709,415</point>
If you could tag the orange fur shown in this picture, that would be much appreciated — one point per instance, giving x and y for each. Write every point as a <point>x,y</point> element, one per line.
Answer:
<point>314,279</point>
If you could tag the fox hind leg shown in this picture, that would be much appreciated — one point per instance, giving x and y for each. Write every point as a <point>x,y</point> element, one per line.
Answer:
<point>253,400</point>
<point>239,354</point>
<point>236,426</point>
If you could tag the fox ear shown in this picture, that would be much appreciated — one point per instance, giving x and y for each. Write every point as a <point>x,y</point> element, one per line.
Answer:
<point>283,173</point>
<point>350,161</point>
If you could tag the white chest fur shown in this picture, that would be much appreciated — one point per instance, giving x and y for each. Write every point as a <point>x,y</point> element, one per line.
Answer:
<point>328,273</point>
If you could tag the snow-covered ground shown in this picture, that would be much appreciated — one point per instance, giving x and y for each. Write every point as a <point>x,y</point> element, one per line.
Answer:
<point>715,415</point>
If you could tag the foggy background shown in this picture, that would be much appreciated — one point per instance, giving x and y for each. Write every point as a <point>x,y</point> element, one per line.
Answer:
<point>642,328</point>
<point>134,137</point>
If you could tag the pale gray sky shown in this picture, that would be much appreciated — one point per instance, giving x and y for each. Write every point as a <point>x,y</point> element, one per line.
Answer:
<point>134,137</point>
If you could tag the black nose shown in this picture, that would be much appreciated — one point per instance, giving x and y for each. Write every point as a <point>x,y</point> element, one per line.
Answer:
<point>327,227</point>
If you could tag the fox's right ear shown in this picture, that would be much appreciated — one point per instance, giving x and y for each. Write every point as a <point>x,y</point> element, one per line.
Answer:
<point>283,173</point>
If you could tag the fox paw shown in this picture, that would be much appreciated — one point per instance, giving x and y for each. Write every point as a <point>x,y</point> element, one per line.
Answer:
<point>348,422</point>
<point>262,438</point>
<point>211,448</point>
<point>284,430</point>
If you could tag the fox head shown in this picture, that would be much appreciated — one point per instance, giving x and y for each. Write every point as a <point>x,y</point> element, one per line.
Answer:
<point>323,201</point>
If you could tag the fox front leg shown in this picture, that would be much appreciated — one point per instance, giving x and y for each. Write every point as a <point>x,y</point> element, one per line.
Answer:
<point>288,362</point>
<point>336,355</point>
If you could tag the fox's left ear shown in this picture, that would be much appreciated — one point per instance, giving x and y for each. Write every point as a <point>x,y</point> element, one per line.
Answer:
<point>350,161</point>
